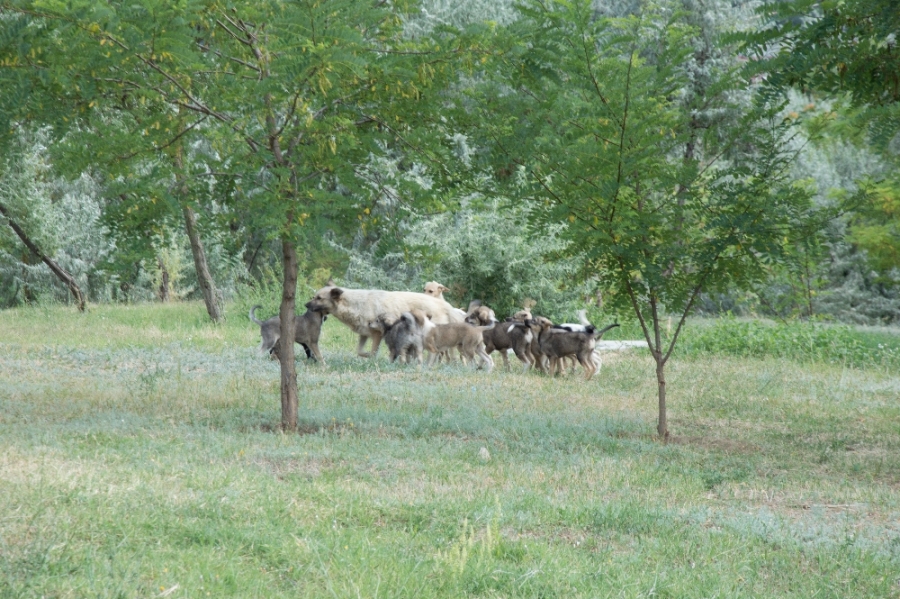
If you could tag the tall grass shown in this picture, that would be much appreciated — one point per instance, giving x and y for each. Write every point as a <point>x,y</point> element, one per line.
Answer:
<point>140,456</point>
<point>798,341</point>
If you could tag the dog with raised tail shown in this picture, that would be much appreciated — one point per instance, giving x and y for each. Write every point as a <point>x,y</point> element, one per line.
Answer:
<point>405,337</point>
<point>558,344</point>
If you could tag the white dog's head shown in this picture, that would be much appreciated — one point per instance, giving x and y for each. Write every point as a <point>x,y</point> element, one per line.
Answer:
<point>435,289</point>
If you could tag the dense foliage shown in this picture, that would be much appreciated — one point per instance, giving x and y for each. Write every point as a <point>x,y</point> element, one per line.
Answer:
<point>390,189</point>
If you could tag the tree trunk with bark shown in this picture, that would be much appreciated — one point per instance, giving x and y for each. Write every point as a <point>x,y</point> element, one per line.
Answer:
<point>662,426</point>
<point>289,394</point>
<point>63,275</point>
<point>163,291</point>
<point>204,278</point>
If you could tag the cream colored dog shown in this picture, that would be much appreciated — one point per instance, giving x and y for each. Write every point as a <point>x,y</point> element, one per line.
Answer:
<point>358,308</point>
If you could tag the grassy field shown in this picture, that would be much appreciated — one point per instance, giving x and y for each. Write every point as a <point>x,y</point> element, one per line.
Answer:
<point>140,457</point>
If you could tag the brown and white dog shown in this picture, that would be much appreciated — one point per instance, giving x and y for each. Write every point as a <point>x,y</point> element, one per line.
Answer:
<point>359,308</point>
<point>557,344</point>
<point>504,336</point>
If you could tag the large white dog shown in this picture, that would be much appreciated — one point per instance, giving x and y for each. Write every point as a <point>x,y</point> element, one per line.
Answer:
<point>357,308</point>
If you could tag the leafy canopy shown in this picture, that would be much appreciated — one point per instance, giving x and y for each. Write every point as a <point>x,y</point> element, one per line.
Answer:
<point>606,137</point>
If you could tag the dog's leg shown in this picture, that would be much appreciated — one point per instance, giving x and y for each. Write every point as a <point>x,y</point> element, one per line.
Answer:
<point>376,342</point>
<point>361,345</point>
<point>308,353</point>
<point>269,343</point>
<point>315,351</point>
<point>555,364</point>
<point>526,356</point>
<point>488,361</point>
<point>523,357</point>
<point>463,356</point>
<point>587,362</point>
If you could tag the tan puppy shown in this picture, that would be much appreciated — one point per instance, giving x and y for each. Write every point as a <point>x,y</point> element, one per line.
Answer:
<point>463,336</point>
<point>358,308</point>
<point>435,289</point>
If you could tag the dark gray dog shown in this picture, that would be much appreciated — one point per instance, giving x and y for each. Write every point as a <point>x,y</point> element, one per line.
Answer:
<point>557,344</point>
<point>307,329</point>
<point>503,337</point>
<point>405,336</point>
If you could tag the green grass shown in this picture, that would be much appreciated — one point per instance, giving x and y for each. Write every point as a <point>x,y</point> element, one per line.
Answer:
<point>139,450</point>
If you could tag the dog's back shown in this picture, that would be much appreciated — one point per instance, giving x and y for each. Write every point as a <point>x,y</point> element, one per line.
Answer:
<point>405,338</point>
<point>357,308</point>
<point>461,335</point>
<point>560,343</point>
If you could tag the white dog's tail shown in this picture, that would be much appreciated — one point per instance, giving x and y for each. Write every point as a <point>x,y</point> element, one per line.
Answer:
<point>253,317</point>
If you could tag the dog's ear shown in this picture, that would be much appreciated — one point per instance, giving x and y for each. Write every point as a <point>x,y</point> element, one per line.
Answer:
<point>336,293</point>
<point>443,289</point>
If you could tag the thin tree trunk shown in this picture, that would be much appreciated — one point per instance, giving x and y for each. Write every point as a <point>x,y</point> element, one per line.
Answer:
<point>163,290</point>
<point>289,395</point>
<point>204,279</point>
<point>662,426</point>
<point>59,271</point>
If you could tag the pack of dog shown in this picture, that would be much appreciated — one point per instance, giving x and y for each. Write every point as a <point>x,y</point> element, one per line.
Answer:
<point>410,323</point>
<point>559,343</point>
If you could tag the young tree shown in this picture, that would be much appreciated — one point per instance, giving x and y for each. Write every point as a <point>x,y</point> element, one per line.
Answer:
<point>300,93</point>
<point>668,188</point>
